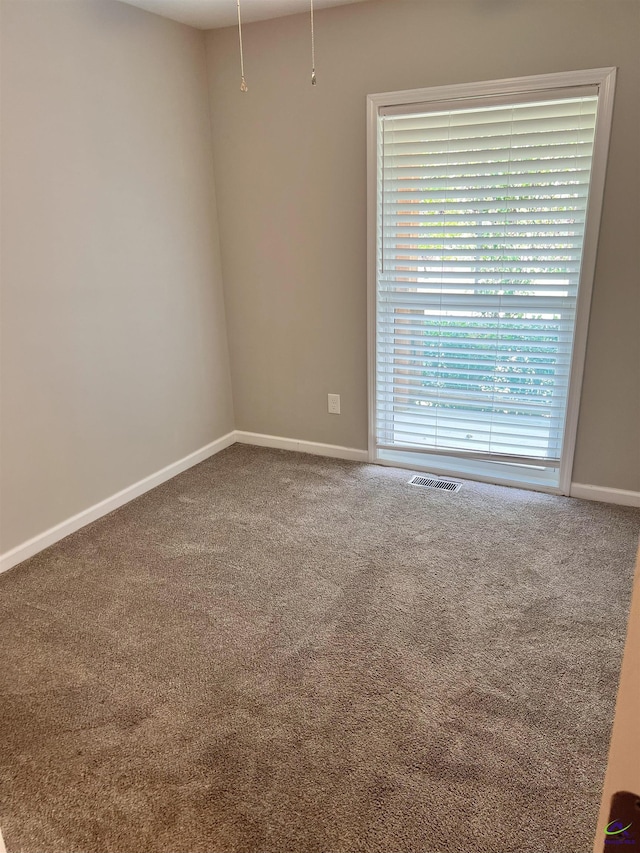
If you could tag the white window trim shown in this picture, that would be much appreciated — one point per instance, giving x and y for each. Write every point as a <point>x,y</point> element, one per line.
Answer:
<point>604,79</point>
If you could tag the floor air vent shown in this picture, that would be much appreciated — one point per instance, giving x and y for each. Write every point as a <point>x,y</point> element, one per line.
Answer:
<point>433,483</point>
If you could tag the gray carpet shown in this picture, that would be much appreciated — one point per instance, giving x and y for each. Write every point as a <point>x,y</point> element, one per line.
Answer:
<point>277,652</point>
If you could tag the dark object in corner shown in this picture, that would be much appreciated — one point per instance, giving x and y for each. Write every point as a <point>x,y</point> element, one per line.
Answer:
<point>622,832</point>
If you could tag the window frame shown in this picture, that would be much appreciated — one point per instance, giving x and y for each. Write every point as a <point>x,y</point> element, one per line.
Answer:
<point>604,79</point>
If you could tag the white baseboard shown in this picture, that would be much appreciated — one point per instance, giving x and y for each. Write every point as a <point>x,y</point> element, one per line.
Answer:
<point>605,494</point>
<point>54,534</point>
<point>313,447</point>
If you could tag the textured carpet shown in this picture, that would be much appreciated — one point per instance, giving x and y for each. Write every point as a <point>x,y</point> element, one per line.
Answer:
<point>277,652</point>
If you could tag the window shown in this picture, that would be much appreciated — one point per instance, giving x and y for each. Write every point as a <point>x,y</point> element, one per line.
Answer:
<point>485,211</point>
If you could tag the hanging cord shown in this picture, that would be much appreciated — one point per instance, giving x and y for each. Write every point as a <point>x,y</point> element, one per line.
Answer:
<point>243,84</point>
<point>313,50</point>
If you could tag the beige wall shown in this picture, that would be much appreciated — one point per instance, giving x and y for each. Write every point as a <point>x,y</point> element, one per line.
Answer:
<point>290,176</point>
<point>114,352</point>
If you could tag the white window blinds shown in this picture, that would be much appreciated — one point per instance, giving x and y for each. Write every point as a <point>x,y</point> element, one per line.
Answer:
<point>481,218</point>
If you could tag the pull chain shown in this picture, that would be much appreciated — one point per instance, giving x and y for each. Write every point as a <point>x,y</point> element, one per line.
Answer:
<point>313,50</point>
<point>243,84</point>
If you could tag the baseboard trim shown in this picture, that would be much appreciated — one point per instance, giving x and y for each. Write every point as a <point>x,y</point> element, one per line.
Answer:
<point>38,543</point>
<point>623,497</point>
<point>313,447</point>
<point>54,534</point>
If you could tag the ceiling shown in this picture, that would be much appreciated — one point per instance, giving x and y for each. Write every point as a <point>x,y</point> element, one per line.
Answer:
<point>210,14</point>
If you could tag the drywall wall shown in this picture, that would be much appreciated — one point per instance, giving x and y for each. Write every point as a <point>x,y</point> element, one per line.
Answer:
<point>291,182</point>
<point>114,353</point>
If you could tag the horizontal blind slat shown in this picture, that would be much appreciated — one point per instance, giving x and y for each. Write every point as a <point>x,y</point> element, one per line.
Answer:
<point>491,432</point>
<point>521,143</point>
<point>471,415</point>
<point>570,151</point>
<point>432,118</point>
<point>513,220</point>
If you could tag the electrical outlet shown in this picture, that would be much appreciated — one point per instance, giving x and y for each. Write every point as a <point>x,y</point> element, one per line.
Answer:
<point>334,404</point>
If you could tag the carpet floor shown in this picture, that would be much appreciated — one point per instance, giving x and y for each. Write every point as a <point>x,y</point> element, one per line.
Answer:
<point>279,653</point>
